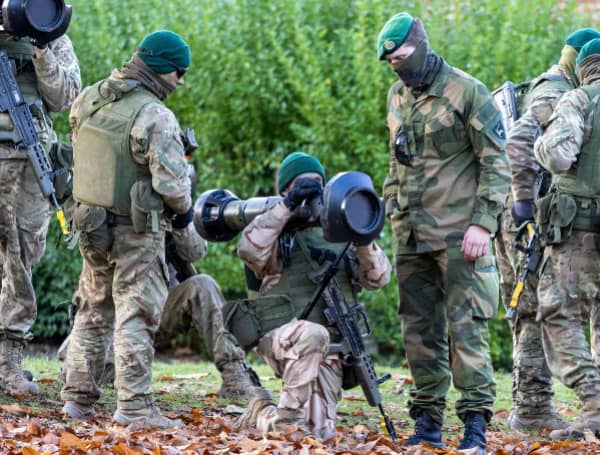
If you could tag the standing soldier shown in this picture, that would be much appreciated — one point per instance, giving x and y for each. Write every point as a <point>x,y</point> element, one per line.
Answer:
<point>569,222</point>
<point>532,381</point>
<point>446,187</point>
<point>284,266</point>
<point>130,176</point>
<point>49,80</point>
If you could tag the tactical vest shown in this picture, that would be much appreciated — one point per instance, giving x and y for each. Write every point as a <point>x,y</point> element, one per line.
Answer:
<point>20,54</point>
<point>582,179</point>
<point>104,170</point>
<point>251,319</point>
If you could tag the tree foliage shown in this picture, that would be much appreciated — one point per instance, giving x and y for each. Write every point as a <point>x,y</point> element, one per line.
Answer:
<point>270,77</point>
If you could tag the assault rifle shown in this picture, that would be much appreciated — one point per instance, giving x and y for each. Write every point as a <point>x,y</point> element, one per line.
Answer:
<point>344,319</point>
<point>533,255</point>
<point>12,102</point>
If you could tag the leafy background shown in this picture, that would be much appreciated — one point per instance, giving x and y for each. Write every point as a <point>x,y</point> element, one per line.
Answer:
<point>270,77</point>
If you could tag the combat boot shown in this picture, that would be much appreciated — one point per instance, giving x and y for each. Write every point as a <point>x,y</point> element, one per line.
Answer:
<point>261,398</point>
<point>12,378</point>
<point>589,419</point>
<point>235,383</point>
<point>76,411</point>
<point>549,420</point>
<point>427,429</point>
<point>149,417</point>
<point>474,437</point>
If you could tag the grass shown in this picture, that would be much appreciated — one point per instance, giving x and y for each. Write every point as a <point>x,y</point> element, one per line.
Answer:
<point>182,386</point>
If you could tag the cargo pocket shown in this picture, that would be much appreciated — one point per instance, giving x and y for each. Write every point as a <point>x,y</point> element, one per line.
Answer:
<point>485,288</point>
<point>94,233</point>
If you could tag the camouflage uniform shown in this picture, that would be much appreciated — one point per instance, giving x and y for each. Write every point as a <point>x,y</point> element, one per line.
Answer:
<point>568,287</point>
<point>197,300</point>
<point>458,176</point>
<point>298,350</point>
<point>123,286</point>
<point>24,211</point>
<point>532,380</point>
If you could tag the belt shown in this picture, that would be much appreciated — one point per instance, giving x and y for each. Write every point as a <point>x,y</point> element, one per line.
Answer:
<point>113,219</point>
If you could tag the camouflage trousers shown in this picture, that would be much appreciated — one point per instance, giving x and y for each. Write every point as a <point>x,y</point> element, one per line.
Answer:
<point>312,379</point>
<point>24,218</point>
<point>569,291</point>
<point>532,380</point>
<point>197,301</point>
<point>445,304</point>
<point>122,289</point>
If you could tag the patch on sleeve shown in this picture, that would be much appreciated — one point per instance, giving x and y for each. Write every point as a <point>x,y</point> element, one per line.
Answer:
<point>489,121</point>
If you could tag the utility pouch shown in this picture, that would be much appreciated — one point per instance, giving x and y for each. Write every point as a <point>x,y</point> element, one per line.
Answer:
<point>91,224</point>
<point>146,207</point>
<point>61,159</point>
<point>555,216</point>
<point>250,320</point>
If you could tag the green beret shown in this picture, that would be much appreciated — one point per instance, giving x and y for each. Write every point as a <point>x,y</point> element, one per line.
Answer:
<point>393,34</point>
<point>579,37</point>
<point>295,164</point>
<point>590,48</point>
<point>165,51</point>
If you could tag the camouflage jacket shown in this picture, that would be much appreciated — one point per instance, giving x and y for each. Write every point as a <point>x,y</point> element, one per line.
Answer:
<point>59,83</point>
<point>459,173</point>
<point>540,103</point>
<point>155,141</point>
<point>259,249</point>
<point>567,130</point>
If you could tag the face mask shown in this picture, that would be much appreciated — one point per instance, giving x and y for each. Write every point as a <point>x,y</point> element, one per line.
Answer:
<point>412,70</point>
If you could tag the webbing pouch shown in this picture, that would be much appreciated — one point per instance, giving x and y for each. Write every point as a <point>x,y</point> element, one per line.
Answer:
<point>555,215</point>
<point>250,320</point>
<point>146,207</point>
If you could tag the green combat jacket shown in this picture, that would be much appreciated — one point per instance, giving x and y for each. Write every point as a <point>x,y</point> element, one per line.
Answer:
<point>459,173</point>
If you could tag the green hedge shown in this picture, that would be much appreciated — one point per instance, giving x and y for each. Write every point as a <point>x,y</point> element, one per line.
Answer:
<point>269,77</point>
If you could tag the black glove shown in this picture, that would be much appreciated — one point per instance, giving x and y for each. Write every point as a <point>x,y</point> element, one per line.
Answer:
<point>181,221</point>
<point>522,211</point>
<point>302,190</point>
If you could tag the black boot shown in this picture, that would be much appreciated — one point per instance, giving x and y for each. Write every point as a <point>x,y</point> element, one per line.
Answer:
<point>475,424</point>
<point>426,430</point>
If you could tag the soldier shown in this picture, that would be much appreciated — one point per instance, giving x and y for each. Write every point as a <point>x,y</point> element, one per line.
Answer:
<point>447,183</point>
<point>569,223</point>
<point>195,300</point>
<point>532,381</point>
<point>130,175</point>
<point>49,79</point>
<point>283,265</point>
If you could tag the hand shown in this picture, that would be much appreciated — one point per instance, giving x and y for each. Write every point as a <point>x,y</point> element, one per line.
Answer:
<point>182,221</point>
<point>475,242</point>
<point>522,211</point>
<point>302,190</point>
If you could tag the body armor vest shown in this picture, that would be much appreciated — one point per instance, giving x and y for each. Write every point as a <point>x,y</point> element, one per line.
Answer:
<point>104,170</point>
<point>298,279</point>
<point>582,178</point>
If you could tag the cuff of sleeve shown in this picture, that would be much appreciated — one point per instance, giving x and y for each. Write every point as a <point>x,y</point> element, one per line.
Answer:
<point>485,221</point>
